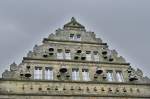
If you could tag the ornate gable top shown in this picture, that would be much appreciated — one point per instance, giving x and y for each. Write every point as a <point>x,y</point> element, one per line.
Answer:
<point>73,24</point>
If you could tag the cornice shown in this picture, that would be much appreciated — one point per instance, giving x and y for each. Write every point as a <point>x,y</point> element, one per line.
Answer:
<point>77,42</point>
<point>81,82</point>
<point>77,61</point>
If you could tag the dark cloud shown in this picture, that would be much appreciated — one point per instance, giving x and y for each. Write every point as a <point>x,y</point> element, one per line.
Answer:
<point>123,24</point>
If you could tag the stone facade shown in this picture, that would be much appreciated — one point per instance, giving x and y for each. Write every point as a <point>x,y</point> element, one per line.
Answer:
<point>73,64</point>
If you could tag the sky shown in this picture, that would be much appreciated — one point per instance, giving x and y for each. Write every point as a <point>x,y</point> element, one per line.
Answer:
<point>123,24</point>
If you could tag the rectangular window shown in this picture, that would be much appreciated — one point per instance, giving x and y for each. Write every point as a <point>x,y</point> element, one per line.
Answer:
<point>38,73</point>
<point>85,74</point>
<point>119,76</point>
<point>60,54</point>
<point>48,73</point>
<point>75,74</point>
<point>67,54</point>
<point>110,75</point>
<point>72,37</point>
<point>78,37</point>
<point>96,56</point>
<point>88,56</point>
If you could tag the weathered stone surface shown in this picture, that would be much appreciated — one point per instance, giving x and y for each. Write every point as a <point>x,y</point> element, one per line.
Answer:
<point>86,54</point>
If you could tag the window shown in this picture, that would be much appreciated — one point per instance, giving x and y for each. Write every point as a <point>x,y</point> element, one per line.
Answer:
<point>60,54</point>
<point>88,56</point>
<point>75,74</point>
<point>96,56</point>
<point>72,37</point>
<point>78,38</point>
<point>38,73</point>
<point>119,76</point>
<point>48,73</point>
<point>67,54</point>
<point>110,75</point>
<point>85,74</point>
<point>75,37</point>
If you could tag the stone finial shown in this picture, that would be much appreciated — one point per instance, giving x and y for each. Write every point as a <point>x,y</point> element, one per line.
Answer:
<point>30,54</point>
<point>35,47</point>
<point>13,66</point>
<point>121,59</point>
<point>114,52</point>
<point>73,19</point>
<point>51,36</point>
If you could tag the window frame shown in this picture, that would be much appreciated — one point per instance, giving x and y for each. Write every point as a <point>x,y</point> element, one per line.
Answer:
<point>75,74</point>
<point>120,74</point>
<point>49,73</point>
<point>38,73</point>
<point>60,54</point>
<point>72,36</point>
<point>111,76</point>
<point>88,56</point>
<point>68,54</point>
<point>96,56</point>
<point>85,75</point>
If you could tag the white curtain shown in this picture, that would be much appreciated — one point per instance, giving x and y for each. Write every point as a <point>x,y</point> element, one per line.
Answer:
<point>110,76</point>
<point>88,57</point>
<point>38,73</point>
<point>49,74</point>
<point>60,55</point>
<point>96,57</point>
<point>85,75</point>
<point>72,37</point>
<point>78,38</point>
<point>119,76</point>
<point>68,55</point>
<point>75,74</point>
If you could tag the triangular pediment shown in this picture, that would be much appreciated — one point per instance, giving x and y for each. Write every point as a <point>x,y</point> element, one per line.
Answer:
<point>73,24</point>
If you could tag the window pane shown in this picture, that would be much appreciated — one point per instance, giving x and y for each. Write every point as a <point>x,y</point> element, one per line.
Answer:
<point>78,38</point>
<point>59,54</point>
<point>110,76</point>
<point>88,56</point>
<point>38,73</point>
<point>67,54</point>
<point>75,74</point>
<point>96,56</point>
<point>72,37</point>
<point>48,73</point>
<point>119,76</point>
<point>85,75</point>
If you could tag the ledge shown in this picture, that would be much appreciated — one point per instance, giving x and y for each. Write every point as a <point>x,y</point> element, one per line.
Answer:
<point>83,82</point>
<point>81,42</point>
<point>78,61</point>
<point>75,95</point>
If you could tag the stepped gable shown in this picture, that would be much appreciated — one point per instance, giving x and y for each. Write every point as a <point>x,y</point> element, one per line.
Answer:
<point>73,63</point>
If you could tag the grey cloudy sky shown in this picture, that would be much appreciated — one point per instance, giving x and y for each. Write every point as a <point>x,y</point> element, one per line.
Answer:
<point>123,24</point>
